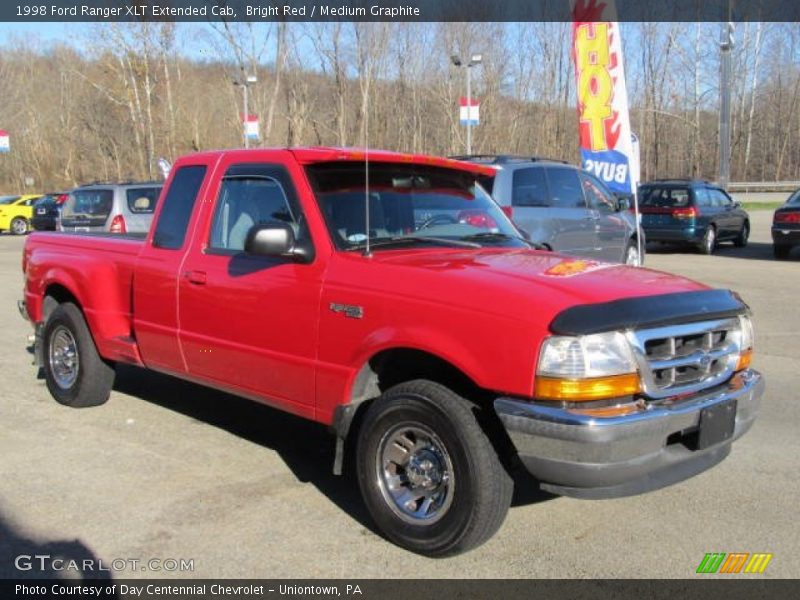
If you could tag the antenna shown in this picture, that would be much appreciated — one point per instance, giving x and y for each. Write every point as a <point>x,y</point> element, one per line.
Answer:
<point>367,251</point>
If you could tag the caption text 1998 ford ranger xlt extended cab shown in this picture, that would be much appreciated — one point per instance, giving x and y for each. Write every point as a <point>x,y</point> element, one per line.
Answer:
<point>445,354</point>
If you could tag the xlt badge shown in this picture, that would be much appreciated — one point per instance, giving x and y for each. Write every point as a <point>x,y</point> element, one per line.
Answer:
<point>349,310</point>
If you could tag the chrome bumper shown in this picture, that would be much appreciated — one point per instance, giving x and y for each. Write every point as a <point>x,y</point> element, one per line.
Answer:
<point>578,454</point>
<point>36,338</point>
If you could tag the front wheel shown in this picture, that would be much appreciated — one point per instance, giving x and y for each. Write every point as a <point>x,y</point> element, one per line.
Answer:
<point>430,477</point>
<point>709,242</point>
<point>75,373</point>
<point>19,226</point>
<point>632,256</point>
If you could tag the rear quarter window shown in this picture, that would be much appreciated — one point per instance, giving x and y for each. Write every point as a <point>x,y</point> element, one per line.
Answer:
<point>179,202</point>
<point>142,200</point>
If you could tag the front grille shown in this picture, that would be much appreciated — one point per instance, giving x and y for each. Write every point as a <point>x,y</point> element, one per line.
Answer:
<point>682,359</point>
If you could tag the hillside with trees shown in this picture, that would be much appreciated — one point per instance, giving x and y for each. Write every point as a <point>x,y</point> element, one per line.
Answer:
<point>106,103</point>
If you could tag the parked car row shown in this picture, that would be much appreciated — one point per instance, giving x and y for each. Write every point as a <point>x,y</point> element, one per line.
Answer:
<point>557,205</point>
<point>569,210</point>
<point>116,208</point>
<point>692,212</point>
<point>562,207</point>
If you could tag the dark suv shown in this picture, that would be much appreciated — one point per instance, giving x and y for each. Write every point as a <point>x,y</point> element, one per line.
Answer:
<point>562,207</point>
<point>691,212</point>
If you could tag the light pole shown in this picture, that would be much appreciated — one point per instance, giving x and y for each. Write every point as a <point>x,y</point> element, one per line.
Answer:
<point>475,60</point>
<point>725,46</point>
<point>245,83</point>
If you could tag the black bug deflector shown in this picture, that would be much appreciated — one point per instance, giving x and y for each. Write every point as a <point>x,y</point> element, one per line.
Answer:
<point>648,311</point>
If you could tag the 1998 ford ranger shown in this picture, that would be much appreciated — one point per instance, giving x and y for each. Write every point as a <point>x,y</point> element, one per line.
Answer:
<point>389,297</point>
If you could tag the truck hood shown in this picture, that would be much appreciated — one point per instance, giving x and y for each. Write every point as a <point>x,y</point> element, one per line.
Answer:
<point>515,281</point>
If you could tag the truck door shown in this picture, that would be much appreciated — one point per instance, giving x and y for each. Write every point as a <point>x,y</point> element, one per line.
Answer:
<point>155,289</point>
<point>249,323</point>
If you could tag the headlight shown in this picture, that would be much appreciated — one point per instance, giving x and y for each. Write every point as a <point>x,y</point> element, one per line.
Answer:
<point>745,342</point>
<point>589,367</point>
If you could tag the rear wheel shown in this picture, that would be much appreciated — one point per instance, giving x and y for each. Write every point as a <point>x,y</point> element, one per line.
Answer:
<point>75,373</point>
<point>19,226</point>
<point>744,234</point>
<point>429,475</point>
<point>781,251</point>
<point>709,242</point>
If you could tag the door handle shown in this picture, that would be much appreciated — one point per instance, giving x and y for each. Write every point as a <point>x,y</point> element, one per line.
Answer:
<point>195,277</point>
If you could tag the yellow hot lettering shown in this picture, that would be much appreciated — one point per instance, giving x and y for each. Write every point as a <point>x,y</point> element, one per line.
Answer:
<point>595,86</point>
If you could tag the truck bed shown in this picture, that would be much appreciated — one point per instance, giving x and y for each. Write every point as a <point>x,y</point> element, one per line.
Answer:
<point>97,270</point>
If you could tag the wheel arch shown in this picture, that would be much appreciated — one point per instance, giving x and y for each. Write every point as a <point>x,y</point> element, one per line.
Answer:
<point>55,294</point>
<point>389,367</point>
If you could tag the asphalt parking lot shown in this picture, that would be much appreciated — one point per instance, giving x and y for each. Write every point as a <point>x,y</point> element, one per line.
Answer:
<point>169,470</point>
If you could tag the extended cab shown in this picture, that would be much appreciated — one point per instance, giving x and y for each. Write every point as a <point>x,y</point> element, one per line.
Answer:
<point>389,297</point>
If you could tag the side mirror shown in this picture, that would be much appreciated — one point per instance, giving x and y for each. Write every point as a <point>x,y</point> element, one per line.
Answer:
<point>622,204</point>
<point>275,239</point>
<point>737,204</point>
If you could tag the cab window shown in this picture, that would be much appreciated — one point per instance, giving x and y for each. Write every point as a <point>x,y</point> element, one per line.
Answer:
<point>565,188</point>
<point>530,188</point>
<point>597,196</point>
<point>252,195</point>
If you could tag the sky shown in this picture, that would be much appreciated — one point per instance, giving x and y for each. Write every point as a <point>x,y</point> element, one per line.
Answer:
<point>47,31</point>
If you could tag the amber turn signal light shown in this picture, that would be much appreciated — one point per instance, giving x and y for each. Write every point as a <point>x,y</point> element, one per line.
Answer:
<point>745,358</point>
<point>594,388</point>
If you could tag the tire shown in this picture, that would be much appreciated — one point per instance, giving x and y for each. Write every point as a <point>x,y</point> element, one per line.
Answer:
<point>631,255</point>
<point>709,242</point>
<point>462,491</point>
<point>19,226</point>
<point>75,373</point>
<point>781,251</point>
<point>744,235</point>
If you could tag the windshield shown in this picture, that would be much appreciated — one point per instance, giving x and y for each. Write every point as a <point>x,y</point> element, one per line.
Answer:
<point>88,203</point>
<point>409,204</point>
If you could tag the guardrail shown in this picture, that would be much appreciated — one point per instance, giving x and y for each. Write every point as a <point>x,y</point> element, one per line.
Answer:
<point>763,186</point>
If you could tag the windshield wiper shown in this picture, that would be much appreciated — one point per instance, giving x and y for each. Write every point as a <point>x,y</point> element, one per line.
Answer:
<point>497,235</point>
<point>402,240</point>
<point>492,236</point>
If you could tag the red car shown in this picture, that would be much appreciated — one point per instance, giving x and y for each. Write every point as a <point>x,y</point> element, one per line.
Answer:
<point>403,309</point>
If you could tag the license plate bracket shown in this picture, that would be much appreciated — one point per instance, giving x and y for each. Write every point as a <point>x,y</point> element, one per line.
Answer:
<point>717,424</point>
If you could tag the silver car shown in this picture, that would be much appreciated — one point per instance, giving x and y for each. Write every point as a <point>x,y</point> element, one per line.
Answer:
<point>563,207</point>
<point>115,208</point>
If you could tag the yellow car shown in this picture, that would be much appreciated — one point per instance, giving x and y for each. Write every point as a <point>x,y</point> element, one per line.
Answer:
<point>16,213</point>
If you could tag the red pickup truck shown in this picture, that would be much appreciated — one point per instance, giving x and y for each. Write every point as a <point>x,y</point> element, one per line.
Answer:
<point>389,297</point>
